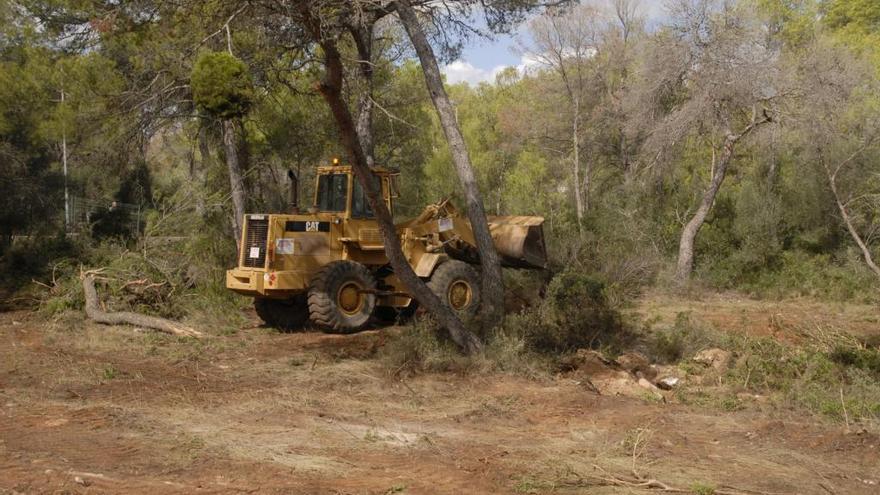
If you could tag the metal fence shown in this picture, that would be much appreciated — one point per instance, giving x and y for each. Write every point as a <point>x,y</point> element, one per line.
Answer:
<point>84,214</point>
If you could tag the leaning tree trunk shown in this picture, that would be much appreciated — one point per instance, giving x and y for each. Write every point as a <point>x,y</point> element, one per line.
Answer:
<point>692,228</point>
<point>492,282</point>
<point>236,178</point>
<point>331,89</point>
<point>847,219</point>
<point>719,170</point>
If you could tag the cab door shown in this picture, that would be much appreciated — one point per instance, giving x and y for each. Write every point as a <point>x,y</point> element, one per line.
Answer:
<point>367,245</point>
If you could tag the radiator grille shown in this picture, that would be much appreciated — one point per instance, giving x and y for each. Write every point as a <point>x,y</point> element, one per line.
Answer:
<point>370,237</point>
<point>256,231</point>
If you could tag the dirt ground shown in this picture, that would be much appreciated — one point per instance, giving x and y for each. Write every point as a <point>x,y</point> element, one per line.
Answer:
<point>91,409</point>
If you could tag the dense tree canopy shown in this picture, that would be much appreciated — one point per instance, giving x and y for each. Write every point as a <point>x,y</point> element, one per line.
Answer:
<point>623,127</point>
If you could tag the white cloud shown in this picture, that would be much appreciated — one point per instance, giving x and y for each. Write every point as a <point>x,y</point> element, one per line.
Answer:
<point>463,71</point>
<point>527,62</point>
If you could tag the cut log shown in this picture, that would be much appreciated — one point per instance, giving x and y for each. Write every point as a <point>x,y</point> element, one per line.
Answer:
<point>95,313</point>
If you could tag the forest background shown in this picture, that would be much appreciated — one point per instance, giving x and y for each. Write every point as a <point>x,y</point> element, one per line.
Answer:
<point>732,145</point>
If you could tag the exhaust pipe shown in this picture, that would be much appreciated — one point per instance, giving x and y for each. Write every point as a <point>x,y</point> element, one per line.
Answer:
<point>293,195</point>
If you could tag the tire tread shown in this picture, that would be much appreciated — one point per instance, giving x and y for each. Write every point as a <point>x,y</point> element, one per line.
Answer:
<point>322,308</point>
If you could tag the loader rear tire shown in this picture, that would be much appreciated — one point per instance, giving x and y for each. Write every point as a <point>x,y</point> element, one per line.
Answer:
<point>283,314</point>
<point>342,297</point>
<point>457,285</point>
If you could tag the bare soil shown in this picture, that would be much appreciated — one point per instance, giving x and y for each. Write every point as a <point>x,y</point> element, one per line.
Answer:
<point>94,409</point>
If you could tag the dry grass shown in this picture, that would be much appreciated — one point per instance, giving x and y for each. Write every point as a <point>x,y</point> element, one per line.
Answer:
<point>311,413</point>
<point>802,362</point>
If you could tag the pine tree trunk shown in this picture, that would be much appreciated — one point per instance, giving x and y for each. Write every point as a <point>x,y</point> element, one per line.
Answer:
<point>331,90</point>
<point>236,179</point>
<point>363,37</point>
<point>492,283</point>
<point>200,174</point>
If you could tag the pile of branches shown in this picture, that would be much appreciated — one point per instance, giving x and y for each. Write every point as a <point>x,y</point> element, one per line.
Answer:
<point>95,311</point>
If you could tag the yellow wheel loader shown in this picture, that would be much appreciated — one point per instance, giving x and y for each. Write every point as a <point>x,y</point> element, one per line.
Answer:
<point>328,265</point>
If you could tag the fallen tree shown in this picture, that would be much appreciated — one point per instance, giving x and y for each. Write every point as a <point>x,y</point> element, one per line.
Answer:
<point>95,313</point>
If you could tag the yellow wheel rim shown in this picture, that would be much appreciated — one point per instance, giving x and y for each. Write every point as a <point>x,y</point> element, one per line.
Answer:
<point>460,295</point>
<point>349,298</point>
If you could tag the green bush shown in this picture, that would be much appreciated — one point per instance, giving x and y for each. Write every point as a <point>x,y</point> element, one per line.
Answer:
<point>700,488</point>
<point>127,282</point>
<point>840,383</point>
<point>837,378</point>
<point>682,341</point>
<point>510,353</point>
<point>34,258</point>
<point>812,380</point>
<point>574,315</point>
<point>423,348</point>
<point>797,273</point>
<point>615,248</point>
<point>864,359</point>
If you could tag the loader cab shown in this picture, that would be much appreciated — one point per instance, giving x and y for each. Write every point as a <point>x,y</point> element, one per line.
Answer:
<point>339,192</point>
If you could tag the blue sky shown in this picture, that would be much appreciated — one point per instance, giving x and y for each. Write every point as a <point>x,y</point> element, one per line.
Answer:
<point>482,59</point>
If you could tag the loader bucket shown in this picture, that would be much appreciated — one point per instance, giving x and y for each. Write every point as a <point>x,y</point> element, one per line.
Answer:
<point>519,241</point>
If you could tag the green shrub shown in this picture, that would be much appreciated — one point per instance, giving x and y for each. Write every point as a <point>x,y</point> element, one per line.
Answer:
<point>161,284</point>
<point>613,247</point>
<point>840,383</point>
<point>510,353</point>
<point>833,376</point>
<point>37,258</point>
<point>700,488</point>
<point>825,277</point>
<point>682,341</point>
<point>864,359</point>
<point>574,315</point>
<point>797,273</point>
<point>423,348</point>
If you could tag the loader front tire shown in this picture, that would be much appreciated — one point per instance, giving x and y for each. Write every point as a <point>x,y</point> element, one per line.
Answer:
<point>342,297</point>
<point>283,314</point>
<point>457,285</point>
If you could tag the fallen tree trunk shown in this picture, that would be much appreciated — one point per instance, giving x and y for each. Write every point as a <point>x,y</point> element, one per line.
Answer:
<point>95,313</point>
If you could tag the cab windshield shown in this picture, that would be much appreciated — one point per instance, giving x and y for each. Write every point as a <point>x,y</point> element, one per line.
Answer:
<point>332,192</point>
